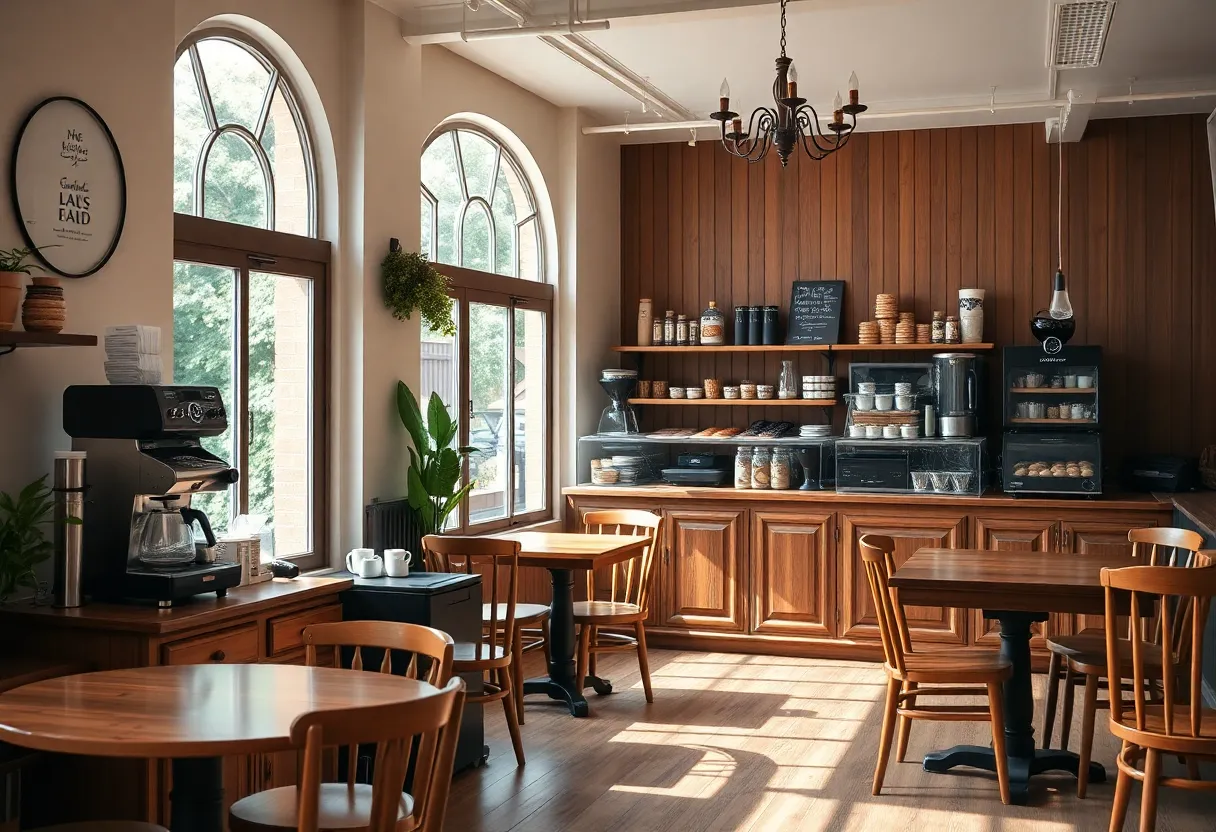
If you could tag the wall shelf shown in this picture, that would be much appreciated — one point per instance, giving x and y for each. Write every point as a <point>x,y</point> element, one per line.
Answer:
<point>11,340</point>
<point>828,348</point>
<point>1061,422</point>
<point>741,402</point>
<point>1053,391</point>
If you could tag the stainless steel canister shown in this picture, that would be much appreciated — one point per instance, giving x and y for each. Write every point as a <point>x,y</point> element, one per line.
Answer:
<point>69,490</point>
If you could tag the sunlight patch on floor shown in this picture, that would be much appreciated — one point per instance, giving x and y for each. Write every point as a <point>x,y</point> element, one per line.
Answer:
<point>702,781</point>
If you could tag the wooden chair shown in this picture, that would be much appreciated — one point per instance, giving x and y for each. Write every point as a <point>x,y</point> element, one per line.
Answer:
<point>628,594</point>
<point>1080,660</point>
<point>349,805</point>
<point>497,561</point>
<point>908,670</point>
<point>1176,722</point>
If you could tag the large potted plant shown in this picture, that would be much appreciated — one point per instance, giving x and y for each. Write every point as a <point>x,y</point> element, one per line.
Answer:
<point>435,465</point>
<point>23,543</point>
<point>14,268</point>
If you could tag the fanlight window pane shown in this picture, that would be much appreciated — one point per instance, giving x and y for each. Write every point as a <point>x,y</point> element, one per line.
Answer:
<point>236,80</point>
<point>428,226</point>
<point>514,185</point>
<point>440,175</point>
<point>189,131</point>
<point>234,188</point>
<point>529,250</point>
<point>285,148</point>
<point>504,223</point>
<point>477,155</point>
<point>477,250</point>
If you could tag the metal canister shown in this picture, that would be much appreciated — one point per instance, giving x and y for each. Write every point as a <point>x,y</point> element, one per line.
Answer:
<point>681,330</point>
<point>69,490</point>
<point>755,325</point>
<point>694,331</point>
<point>771,320</point>
<point>741,313</point>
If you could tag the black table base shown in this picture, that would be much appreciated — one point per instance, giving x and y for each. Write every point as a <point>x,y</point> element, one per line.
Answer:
<point>1025,761</point>
<point>196,803</point>
<point>560,684</point>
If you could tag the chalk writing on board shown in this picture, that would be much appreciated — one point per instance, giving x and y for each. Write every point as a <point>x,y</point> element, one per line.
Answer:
<point>814,316</point>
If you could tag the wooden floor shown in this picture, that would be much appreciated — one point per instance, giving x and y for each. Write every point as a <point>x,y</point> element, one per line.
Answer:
<point>736,742</point>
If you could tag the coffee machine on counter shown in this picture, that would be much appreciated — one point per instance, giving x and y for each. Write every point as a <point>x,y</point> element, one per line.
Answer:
<point>956,394</point>
<point>145,462</point>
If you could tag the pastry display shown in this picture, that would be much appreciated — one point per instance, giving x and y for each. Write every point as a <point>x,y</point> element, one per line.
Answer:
<point>1083,468</point>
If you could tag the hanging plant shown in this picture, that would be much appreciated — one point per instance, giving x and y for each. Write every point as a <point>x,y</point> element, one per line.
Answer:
<point>411,282</point>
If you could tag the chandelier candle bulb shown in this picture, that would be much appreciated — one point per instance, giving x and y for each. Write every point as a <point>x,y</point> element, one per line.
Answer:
<point>791,86</point>
<point>837,110</point>
<point>853,94</point>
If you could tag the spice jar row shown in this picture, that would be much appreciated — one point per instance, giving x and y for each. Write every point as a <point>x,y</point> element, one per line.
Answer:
<point>762,468</point>
<point>754,325</point>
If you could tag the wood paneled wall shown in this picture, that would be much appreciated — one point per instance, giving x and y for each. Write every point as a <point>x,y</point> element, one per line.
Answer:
<point>923,213</point>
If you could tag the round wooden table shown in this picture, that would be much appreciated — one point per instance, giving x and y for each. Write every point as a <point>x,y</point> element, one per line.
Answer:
<point>193,714</point>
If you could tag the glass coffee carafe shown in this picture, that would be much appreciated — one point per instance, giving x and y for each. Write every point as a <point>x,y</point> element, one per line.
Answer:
<point>167,537</point>
<point>619,416</point>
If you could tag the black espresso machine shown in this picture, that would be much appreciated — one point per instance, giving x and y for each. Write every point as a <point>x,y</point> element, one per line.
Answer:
<point>145,461</point>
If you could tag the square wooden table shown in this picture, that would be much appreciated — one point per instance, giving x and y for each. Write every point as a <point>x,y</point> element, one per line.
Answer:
<point>1016,588</point>
<point>562,553</point>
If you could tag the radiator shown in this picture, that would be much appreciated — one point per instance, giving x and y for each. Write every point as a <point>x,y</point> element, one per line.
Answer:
<point>392,524</point>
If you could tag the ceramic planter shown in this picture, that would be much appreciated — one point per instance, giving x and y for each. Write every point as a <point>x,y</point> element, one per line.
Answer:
<point>10,298</point>
<point>971,315</point>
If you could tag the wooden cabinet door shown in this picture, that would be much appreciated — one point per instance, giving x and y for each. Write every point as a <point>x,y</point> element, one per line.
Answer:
<point>702,579</point>
<point>793,586</point>
<point>1096,537</point>
<point>925,624</point>
<point>1003,535</point>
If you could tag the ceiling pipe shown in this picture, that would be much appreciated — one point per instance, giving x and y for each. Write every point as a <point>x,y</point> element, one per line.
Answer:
<point>938,111</point>
<point>572,26</point>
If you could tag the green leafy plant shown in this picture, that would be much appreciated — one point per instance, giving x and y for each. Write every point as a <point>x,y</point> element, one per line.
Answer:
<point>411,282</point>
<point>23,544</point>
<point>14,260</point>
<point>435,466</point>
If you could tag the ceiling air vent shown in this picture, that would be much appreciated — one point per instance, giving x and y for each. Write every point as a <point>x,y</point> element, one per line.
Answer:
<point>1078,33</point>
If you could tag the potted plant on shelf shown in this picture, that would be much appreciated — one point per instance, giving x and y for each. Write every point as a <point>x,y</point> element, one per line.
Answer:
<point>14,268</point>
<point>435,465</point>
<point>411,282</point>
<point>23,543</point>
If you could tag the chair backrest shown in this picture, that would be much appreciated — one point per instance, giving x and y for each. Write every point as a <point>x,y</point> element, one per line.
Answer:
<point>630,580</point>
<point>1177,593</point>
<point>1164,546</point>
<point>878,553</point>
<point>428,726</point>
<point>497,561</point>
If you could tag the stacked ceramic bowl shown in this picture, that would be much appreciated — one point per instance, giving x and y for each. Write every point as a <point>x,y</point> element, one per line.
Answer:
<point>819,387</point>
<point>628,467</point>
<point>814,431</point>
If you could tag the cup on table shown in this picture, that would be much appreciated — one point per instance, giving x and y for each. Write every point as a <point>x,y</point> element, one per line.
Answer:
<point>659,389</point>
<point>1070,381</point>
<point>397,563</point>
<point>643,389</point>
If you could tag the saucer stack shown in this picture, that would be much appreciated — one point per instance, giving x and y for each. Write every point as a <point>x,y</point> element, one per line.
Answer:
<point>814,431</point>
<point>44,308</point>
<point>133,354</point>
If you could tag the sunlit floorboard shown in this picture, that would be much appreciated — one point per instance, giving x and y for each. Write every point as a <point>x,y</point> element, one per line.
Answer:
<point>736,742</point>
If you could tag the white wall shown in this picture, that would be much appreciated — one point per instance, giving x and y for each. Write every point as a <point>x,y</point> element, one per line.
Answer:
<point>372,100</point>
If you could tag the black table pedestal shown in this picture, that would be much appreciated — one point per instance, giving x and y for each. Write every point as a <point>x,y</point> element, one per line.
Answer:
<point>560,684</point>
<point>196,803</point>
<point>1025,760</point>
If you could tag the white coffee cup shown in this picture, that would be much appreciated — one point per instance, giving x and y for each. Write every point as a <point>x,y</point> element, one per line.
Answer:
<point>365,563</point>
<point>1070,381</point>
<point>397,563</point>
<point>1085,382</point>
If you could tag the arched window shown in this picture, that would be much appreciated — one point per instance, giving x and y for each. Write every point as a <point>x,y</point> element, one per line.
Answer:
<point>482,228</point>
<point>240,149</point>
<point>478,210</point>
<point>250,285</point>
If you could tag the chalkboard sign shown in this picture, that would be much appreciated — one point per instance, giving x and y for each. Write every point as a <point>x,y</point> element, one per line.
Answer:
<point>815,312</point>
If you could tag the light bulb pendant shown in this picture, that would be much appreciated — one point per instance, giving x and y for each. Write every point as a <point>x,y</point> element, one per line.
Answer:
<point>724,90</point>
<point>853,82</point>
<point>837,103</point>
<point>792,74</point>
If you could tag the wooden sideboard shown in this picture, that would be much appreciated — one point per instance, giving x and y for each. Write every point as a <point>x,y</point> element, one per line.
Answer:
<point>260,623</point>
<point>781,572</point>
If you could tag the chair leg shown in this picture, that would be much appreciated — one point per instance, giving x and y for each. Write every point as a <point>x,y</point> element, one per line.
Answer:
<point>888,733</point>
<point>905,725</point>
<point>1192,768</point>
<point>1089,708</point>
<point>517,678</point>
<point>1066,690</point>
<point>996,710</point>
<point>544,644</point>
<point>595,640</point>
<point>1123,795</point>
<point>1053,692</point>
<point>1148,799</point>
<point>508,706</point>
<point>584,647</point>
<point>644,661</point>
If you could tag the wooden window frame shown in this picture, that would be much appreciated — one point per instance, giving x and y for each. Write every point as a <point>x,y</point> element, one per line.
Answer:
<point>246,249</point>
<point>473,286</point>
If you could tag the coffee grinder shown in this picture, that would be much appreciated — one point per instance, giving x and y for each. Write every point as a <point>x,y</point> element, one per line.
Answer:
<point>145,461</point>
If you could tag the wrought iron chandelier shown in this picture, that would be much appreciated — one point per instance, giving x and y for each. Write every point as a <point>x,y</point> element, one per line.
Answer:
<point>793,120</point>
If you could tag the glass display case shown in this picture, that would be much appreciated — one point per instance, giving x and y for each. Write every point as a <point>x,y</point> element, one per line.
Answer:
<point>1052,391</point>
<point>916,466</point>
<point>1052,463</point>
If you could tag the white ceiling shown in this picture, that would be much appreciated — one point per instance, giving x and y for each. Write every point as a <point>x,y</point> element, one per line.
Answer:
<point>908,54</point>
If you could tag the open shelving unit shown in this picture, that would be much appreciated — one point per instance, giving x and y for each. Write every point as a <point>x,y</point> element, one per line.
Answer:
<point>826,348</point>
<point>740,402</point>
<point>13,339</point>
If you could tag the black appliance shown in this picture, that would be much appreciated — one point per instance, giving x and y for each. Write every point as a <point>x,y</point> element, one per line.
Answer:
<point>873,469</point>
<point>447,602</point>
<point>817,462</point>
<point>144,453</point>
<point>707,477</point>
<point>1052,416</point>
<point>1169,474</point>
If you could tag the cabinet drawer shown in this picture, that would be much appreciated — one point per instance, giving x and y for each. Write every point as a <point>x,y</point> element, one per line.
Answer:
<point>287,631</point>
<point>234,646</point>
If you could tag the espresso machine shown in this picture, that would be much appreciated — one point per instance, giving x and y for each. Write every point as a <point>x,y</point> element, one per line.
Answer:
<point>145,461</point>
<point>956,393</point>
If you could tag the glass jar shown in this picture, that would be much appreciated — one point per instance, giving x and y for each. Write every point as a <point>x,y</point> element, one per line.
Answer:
<point>645,319</point>
<point>681,330</point>
<point>938,331</point>
<point>669,328</point>
<point>787,382</point>
<point>761,475</point>
<point>713,326</point>
<point>694,331</point>
<point>657,337</point>
<point>780,469</point>
<point>953,334</point>
<point>743,467</point>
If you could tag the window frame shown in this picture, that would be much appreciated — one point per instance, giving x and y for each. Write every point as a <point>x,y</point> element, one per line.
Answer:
<point>279,81</point>
<point>247,249</point>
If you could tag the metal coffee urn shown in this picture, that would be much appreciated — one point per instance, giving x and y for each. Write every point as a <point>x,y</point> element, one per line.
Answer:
<point>956,393</point>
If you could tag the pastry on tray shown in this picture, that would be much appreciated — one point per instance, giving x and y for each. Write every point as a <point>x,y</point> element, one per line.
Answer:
<point>670,433</point>
<point>724,433</point>
<point>704,434</point>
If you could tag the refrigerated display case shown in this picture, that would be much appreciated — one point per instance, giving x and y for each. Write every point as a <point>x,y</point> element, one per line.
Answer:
<point>1052,463</point>
<point>1052,392</point>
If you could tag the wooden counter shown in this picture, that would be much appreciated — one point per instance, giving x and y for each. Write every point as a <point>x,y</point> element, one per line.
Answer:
<point>259,623</point>
<point>781,571</point>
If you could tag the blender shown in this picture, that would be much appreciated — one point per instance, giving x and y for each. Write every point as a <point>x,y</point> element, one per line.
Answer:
<point>619,416</point>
